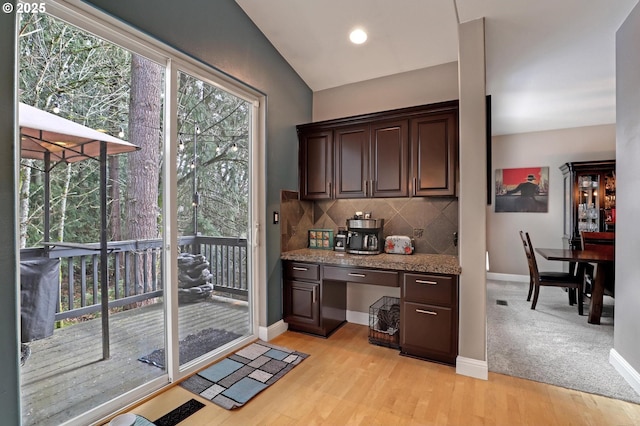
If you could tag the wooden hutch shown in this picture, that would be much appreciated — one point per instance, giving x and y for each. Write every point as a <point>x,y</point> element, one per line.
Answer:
<point>589,198</point>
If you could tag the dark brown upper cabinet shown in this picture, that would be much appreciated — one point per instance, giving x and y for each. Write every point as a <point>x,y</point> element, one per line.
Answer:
<point>434,141</point>
<point>389,150</point>
<point>316,164</point>
<point>372,160</point>
<point>398,153</point>
<point>352,161</point>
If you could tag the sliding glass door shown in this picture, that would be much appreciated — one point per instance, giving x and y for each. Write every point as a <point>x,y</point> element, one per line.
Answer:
<point>213,204</point>
<point>102,230</point>
<point>92,305</point>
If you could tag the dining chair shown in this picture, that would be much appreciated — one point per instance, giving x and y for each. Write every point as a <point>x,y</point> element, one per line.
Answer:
<point>554,279</point>
<point>591,240</point>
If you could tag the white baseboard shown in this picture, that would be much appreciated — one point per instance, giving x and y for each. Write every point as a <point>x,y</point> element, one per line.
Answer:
<point>472,368</point>
<point>625,369</point>
<point>507,277</point>
<point>356,317</point>
<point>465,366</point>
<point>273,331</point>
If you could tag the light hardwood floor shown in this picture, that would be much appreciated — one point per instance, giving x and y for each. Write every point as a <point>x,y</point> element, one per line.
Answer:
<point>347,381</point>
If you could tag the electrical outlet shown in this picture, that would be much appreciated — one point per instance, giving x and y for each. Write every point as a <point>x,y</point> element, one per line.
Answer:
<point>294,230</point>
<point>417,232</point>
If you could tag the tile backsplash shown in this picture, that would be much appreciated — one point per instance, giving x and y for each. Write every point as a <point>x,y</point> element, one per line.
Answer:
<point>431,221</point>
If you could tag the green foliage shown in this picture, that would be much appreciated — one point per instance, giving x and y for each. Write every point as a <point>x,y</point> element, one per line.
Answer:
<point>213,126</point>
<point>88,79</point>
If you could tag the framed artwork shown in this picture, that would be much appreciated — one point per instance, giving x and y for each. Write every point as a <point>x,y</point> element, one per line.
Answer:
<point>522,190</point>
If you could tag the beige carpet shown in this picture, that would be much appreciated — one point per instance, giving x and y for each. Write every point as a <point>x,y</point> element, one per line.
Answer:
<point>551,344</point>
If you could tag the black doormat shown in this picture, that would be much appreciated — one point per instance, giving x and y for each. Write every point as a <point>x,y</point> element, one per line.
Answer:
<point>179,414</point>
<point>193,346</point>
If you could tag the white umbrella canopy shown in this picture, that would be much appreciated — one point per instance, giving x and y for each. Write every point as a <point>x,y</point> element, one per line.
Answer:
<point>48,137</point>
<point>65,140</point>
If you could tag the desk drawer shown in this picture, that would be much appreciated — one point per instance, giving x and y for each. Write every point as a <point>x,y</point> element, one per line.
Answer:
<point>301,271</point>
<point>433,289</point>
<point>363,276</point>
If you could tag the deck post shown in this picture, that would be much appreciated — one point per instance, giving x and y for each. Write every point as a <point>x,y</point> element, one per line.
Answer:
<point>104,285</point>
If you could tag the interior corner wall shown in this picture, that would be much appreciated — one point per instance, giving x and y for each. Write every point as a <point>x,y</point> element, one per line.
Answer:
<point>472,190</point>
<point>412,88</point>
<point>221,35</point>
<point>626,338</point>
<point>539,149</point>
<point>9,314</point>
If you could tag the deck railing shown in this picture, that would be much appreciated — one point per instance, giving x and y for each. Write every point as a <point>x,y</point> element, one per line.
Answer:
<point>135,270</point>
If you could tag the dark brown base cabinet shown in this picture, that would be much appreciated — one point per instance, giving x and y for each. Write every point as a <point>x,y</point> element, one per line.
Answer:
<point>310,304</point>
<point>315,302</point>
<point>429,317</point>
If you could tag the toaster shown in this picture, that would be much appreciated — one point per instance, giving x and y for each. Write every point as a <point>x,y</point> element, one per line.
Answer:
<point>398,244</point>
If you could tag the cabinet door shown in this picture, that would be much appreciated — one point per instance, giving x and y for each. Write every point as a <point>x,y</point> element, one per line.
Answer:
<point>389,159</point>
<point>352,162</point>
<point>316,164</point>
<point>301,303</point>
<point>433,154</point>
<point>428,330</point>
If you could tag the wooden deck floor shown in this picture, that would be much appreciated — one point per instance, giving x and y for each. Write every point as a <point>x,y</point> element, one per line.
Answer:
<point>66,376</point>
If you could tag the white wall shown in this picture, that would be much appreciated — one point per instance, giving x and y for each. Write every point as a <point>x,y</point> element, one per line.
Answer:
<point>552,149</point>
<point>627,315</point>
<point>420,87</point>
<point>473,243</point>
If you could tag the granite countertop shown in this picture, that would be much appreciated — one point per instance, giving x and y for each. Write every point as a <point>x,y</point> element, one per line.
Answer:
<point>417,262</point>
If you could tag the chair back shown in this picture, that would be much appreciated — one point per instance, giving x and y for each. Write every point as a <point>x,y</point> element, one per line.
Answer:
<point>531,257</point>
<point>593,239</point>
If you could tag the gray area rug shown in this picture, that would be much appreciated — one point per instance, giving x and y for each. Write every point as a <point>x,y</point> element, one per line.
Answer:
<point>552,344</point>
<point>233,381</point>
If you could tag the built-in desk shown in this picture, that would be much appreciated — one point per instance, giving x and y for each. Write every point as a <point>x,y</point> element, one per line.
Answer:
<point>315,296</point>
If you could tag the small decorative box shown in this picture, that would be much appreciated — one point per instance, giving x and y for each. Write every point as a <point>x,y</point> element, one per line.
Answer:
<point>321,239</point>
<point>398,244</point>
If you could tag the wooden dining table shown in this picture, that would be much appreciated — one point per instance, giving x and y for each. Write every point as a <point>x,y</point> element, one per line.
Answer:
<point>603,255</point>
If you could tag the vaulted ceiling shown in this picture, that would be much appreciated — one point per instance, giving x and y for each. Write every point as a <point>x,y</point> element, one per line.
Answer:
<point>550,63</point>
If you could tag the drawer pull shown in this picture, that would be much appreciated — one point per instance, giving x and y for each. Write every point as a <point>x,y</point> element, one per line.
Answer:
<point>422,311</point>
<point>353,274</point>
<point>426,282</point>
<point>297,268</point>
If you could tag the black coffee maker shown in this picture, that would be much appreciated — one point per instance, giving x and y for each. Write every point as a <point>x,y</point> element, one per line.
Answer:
<point>364,236</point>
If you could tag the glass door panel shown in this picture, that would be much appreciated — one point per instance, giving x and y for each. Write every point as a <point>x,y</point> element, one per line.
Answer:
<point>213,217</point>
<point>588,203</point>
<point>107,305</point>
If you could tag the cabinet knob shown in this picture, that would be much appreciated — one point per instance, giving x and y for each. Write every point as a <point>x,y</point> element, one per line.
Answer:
<point>297,268</point>
<point>422,311</point>
<point>353,274</point>
<point>426,282</point>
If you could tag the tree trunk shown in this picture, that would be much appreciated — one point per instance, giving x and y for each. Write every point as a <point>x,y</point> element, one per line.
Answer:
<point>63,203</point>
<point>114,195</point>
<point>142,211</point>
<point>25,189</point>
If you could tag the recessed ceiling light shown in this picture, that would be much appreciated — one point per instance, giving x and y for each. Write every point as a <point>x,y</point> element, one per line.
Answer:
<point>358,36</point>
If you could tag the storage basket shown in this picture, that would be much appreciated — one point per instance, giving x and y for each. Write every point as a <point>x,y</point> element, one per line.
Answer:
<point>384,322</point>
